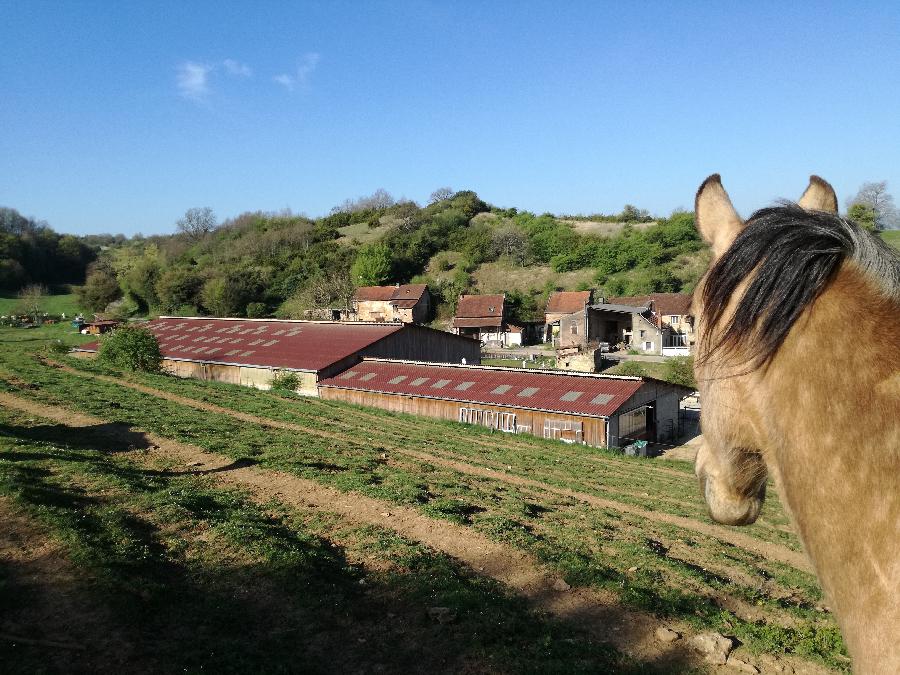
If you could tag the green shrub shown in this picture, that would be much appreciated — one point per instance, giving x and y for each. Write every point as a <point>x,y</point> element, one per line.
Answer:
<point>680,370</point>
<point>131,348</point>
<point>630,368</point>
<point>58,347</point>
<point>257,310</point>
<point>288,381</point>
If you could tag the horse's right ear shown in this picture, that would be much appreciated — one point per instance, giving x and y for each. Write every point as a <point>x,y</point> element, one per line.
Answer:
<point>717,221</point>
<point>819,196</point>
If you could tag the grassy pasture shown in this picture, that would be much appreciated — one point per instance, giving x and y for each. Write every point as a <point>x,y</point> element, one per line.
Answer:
<point>892,237</point>
<point>52,304</point>
<point>649,564</point>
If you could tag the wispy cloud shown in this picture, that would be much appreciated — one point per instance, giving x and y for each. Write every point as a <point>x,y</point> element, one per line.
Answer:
<point>193,80</point>
<point>285,80</point>
<point>304,69</point>
<point>237,68</point>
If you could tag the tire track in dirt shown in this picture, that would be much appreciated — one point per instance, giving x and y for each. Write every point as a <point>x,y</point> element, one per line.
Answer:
<point>631,631</point>
<point>767,550</point>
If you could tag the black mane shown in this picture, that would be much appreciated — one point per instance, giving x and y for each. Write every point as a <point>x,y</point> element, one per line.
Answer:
<point>791,254</point>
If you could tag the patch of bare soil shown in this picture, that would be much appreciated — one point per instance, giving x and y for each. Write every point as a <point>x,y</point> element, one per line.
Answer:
<point>767,550</point>
<point>46,609</point>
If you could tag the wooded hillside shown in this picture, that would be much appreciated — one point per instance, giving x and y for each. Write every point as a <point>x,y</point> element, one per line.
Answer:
<point>264,264</point>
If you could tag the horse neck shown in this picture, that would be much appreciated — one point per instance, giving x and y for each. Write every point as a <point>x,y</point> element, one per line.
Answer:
<point>832,400</point>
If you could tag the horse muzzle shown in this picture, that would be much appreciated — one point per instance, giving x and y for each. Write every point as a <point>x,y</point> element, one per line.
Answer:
<point>735,497</point>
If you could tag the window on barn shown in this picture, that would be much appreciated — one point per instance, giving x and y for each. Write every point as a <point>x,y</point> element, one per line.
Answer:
<point>488,418</point>
<point>574,329</point>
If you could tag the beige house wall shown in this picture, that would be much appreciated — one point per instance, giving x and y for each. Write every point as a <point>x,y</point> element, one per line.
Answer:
<point>374,310</point>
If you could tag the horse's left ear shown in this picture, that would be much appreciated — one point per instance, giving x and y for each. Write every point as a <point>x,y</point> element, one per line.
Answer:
<point>819,196</point>
<point>717,221</point>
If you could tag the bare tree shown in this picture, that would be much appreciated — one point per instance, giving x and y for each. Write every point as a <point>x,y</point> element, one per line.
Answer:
<point>440,195</point>
<point>31,301</point>
<point>197,222</point>
<point>876,197</point>
<point>512,242</point>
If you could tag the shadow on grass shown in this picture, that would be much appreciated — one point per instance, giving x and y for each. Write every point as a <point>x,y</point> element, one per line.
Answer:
<point>255,594</point>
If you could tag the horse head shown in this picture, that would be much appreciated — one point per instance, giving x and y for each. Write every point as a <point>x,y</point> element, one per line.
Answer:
<point>731,463</point>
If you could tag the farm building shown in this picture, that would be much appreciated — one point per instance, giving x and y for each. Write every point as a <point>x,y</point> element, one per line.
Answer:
<point>597,410</point>
<point>483,317</point>
<point>671,312</point>
<point>561,304</point>
<point>409,303</point>
<point>252,351</point>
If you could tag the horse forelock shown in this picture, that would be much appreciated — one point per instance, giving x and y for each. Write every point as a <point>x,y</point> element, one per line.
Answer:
<point>787,256</point>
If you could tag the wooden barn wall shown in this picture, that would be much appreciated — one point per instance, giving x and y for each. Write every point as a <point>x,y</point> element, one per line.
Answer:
<point>419,344</point>
<point>260,378</point>
<point>593,429</point>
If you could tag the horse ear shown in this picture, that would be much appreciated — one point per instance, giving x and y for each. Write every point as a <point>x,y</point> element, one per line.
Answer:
<point>819,196</point>
<point>717,221</point>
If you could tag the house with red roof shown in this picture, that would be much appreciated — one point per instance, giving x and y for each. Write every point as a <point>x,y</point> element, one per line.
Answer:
<point>404,303</point>
<point>483,318</point>
<point>672,315</point>
<point>560,304</point>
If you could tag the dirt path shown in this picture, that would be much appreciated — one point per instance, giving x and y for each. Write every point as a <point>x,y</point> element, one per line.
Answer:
<point>599,612</point>
<point>48,611</point>
<point>768,550</point>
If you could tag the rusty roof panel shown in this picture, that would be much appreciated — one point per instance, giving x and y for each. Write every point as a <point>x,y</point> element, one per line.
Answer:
<point>594,395</point>
<point>293,345</point>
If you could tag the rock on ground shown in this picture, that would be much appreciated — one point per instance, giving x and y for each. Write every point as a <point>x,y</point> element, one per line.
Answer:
<point>715,647</point>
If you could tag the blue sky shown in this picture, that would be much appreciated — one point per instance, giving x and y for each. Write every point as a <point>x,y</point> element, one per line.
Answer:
<point>117,117</point>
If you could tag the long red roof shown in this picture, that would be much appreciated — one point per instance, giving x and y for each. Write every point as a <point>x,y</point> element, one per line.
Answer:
<point>292,345</point>
<point>591,395</point>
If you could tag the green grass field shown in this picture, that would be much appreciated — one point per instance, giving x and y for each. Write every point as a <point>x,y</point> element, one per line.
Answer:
<point>892,237</point>
<point>51,304</point>
<point>633,529</point>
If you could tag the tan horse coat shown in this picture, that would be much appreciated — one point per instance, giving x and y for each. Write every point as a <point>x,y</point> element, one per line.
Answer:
<point>824,416</point>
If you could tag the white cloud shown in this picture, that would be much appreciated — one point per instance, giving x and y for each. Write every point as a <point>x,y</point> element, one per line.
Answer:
<point>305,68</point>
<point>237,68</point>
<point>193,80</point>
<point>285,80</point>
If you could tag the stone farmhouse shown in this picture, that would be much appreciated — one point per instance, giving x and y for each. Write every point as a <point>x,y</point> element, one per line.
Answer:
<point>561,304</point>
<point>671,312</point>
<point>406,303</point>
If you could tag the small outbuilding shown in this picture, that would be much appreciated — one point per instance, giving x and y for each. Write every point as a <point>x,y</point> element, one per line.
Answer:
<point>596,410</point>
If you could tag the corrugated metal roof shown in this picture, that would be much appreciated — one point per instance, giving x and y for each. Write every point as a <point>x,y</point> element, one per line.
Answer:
<point>597,395</point>
<point>293,345</point>
<point>664,304</point>
<point>622,309</point>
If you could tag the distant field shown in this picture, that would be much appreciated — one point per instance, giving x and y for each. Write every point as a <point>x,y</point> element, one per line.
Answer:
<point>603,229</point>
<point>288,530</point>
<point>361,232</point>
<point>52,304</point>
<point>892,237</point>
<point>503,277</point>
